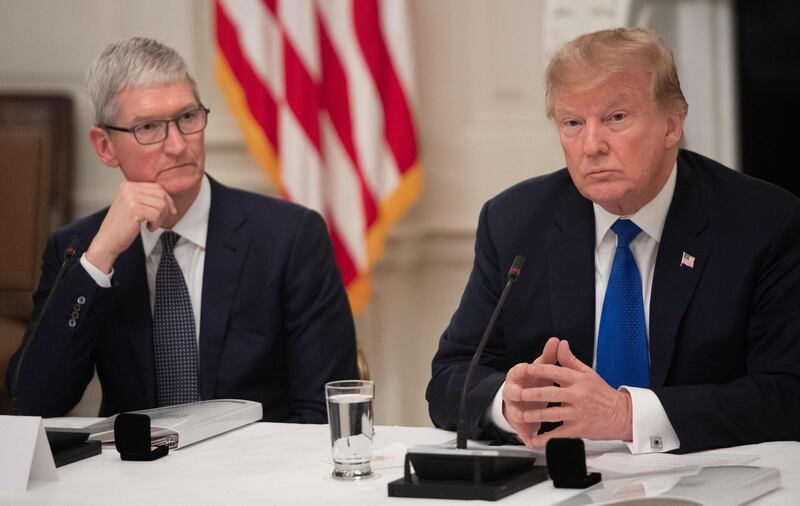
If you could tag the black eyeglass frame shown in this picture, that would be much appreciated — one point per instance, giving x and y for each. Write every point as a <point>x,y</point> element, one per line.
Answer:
<point>176,119</point>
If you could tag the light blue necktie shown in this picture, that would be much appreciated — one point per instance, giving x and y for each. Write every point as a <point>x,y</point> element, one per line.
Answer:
<point>622,357</point>
<point>174,338</point>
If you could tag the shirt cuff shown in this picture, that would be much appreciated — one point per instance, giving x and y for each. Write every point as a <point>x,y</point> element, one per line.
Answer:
<point>652,430</point>
<point>494,413</point>
<point>102,279</point>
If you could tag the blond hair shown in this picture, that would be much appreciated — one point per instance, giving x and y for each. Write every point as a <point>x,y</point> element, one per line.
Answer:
<point>594,57</point>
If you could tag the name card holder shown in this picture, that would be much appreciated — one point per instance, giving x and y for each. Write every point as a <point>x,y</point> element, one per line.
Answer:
<point>26,454</point>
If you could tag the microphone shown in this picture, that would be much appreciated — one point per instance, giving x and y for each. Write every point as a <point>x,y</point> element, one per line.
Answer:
<point>462,473</point>
<point>15,407</point>
<point>463,416</point>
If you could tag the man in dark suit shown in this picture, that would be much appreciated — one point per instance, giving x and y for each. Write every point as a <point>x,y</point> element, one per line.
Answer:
<point>705,354</point>
<point>185,289</point>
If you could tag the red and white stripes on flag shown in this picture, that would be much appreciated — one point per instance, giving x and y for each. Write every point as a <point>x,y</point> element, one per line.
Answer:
<point>322,91</point>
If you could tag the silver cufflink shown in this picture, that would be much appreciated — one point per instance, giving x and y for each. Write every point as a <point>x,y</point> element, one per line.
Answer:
<point>656,443</point>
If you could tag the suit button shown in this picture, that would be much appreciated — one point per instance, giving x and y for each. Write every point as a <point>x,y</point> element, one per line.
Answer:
<point>77,307</point>
<point>75,315</point>
<point>81,300</point>
<point>72,322</point>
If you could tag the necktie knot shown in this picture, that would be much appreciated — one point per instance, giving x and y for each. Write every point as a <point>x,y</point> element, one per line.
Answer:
<point>168,240</point>
<point>626,231</point>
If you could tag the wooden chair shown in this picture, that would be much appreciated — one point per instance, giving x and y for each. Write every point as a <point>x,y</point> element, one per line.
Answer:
<point>36,159</point>
<point>361,362</point>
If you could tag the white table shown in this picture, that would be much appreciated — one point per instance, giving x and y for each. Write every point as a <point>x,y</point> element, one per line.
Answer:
<point>277,464</point>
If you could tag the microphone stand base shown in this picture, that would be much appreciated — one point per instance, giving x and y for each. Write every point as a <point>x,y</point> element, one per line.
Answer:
<point>413,486</point>
<point>465,475</point>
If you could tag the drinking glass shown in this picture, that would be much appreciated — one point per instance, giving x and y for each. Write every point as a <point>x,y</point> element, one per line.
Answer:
<point>350,419</point>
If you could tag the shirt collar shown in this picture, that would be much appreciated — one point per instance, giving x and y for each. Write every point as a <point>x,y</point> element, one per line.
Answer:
<point>193,226</point>
<point>649,218</point>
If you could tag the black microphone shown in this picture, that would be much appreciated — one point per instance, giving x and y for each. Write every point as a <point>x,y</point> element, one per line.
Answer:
<point>462,426</point>
<point>462,473</point>
<point>15,407</point>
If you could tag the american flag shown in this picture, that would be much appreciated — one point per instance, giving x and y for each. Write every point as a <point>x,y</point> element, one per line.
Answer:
<point>322,90</point>
<point>687,260</point>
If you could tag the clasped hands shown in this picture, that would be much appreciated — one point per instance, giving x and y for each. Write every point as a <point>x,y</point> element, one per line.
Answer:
<point>589,408</point>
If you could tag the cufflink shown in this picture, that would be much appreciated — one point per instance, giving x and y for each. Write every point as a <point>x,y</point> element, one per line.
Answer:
<point>656,443</point>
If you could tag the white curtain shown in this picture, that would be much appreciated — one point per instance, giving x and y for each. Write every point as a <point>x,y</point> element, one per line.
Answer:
<point>701,34</point>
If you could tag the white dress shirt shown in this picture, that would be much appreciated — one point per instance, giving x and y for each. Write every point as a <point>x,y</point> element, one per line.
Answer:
<point>189,251</point>
<point>652,431</point>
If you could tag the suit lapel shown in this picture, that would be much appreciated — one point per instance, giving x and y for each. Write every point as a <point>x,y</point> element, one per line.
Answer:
<point>226,249</point>
<point>570,246</point>
<point>685,231</point>
<point>133,304</point>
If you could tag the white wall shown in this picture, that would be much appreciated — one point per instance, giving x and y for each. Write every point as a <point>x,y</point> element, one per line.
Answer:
<point>481,123</point>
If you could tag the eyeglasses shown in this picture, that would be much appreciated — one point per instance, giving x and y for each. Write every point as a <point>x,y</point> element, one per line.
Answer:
<point>155,131</point>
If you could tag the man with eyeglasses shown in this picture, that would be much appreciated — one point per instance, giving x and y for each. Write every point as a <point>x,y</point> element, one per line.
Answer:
<point>185,289</point>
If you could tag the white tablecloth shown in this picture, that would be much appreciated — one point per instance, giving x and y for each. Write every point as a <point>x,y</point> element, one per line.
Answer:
<point>277,464</point>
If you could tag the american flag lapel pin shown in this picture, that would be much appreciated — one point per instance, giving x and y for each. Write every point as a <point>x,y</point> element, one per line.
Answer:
<point>687,260</point>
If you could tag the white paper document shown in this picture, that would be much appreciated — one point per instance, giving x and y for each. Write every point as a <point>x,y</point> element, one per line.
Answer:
<point>24,453</point>
<point>707,486</point>
<point>619,464</point>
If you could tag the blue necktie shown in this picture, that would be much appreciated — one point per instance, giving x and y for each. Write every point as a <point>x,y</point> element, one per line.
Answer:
<point>174,339</point>
<point>622,357</point>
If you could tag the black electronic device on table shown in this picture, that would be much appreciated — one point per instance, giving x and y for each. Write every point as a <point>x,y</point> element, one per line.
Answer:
<point>70,446</point>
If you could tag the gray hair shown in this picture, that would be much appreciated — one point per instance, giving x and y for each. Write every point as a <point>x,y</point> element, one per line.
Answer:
<point>594,57</point>
<point>137,61</point>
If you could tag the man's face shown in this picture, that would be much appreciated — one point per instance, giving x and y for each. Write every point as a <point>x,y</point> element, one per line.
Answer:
<point>619,147</point>
<point>178,162</point>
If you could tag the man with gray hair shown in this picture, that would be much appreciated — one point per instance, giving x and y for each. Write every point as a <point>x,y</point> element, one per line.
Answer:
<point>659,299</point>
<point>185,289</point>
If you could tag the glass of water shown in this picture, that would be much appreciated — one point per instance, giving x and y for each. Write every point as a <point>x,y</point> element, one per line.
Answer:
<point>350,420</point>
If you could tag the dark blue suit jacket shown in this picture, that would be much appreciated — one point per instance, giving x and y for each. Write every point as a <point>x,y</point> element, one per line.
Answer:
<point>724,335</point>
<point>275,324</point>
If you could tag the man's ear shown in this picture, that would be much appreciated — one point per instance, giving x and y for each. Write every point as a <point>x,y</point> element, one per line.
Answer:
<point>101,142</point>
<point>674,129</point>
